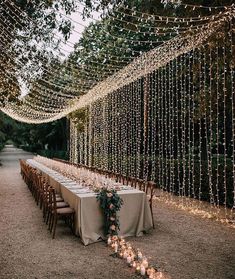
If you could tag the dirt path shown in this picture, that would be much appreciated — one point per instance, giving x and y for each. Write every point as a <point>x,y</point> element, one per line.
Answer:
<point>185,246</point>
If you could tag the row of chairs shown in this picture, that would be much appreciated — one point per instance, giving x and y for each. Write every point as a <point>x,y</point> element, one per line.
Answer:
<point>148,187</point>
<point>51,203</point>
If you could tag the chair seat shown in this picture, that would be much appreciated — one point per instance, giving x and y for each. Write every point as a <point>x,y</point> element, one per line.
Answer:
<point>62,204</point>
<point>65,210</point>
<point>59,199</point>
<point>59,205</point>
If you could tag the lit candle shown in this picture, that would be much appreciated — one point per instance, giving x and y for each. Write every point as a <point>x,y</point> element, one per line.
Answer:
<point>149,271</point>
<point>132,257</point>
<point>145,263</point>
<point>142,270</point>
<point>125,254</point>
<point>137,267</point>
<point>115,247</point>
<point>128,259</point>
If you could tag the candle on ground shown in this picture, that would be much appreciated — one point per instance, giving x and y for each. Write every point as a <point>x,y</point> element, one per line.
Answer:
<point>145,263</point>
<point>115,247</point>
<point>128,259</point>
<point>142,270</point>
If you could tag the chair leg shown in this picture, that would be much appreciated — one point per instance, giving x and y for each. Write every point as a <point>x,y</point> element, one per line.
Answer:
<point>40,201</point>
<point>151,209</point>
<point>44,211</point>
<point>54,226</point>
<point>48,216</point>
<point>51,218</point>
<point>38,197</point>
<point>72,223</point>
<point>51,221</point>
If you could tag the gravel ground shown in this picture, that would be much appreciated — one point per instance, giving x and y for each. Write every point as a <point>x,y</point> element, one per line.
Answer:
<point>183,245</point>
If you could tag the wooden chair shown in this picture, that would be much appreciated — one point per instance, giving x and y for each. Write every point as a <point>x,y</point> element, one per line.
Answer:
<point>113,175</point>
<point>124,179</point>
<point>36,185</point>
<point>132,182</point>
<point>109,174</point>
<point>44,193</point>
<point>150,187</point>
<point>22,168</point>
<point>27,175</point>
<point>118,177</point>
<point>30,179</point>
<point>46,202</point>
<point>66,213</point>
<point>140,184</point>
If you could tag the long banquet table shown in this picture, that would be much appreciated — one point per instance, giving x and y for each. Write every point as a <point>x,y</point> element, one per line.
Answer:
<point>134,216</point>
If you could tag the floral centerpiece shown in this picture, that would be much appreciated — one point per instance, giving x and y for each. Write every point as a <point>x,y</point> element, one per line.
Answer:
<point>110,203</point>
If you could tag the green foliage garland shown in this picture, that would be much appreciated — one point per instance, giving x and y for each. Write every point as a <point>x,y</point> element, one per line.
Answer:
<point>110,203</point>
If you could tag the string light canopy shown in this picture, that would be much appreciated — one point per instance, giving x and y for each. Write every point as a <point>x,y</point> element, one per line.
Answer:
<point>118,49</point>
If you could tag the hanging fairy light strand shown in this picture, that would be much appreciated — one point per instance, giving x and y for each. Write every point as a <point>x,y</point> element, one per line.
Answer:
<point>232,66</point>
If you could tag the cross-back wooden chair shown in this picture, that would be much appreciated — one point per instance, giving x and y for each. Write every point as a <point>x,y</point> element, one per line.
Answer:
<point>132,182</point>
<point>149,189</point>
<point>46,201</point>
<point>67,213</point>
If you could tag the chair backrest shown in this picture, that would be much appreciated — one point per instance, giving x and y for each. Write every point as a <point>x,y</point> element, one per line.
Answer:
<point>125,179</point>
<point>119,177</point>
<point>113,175</point>
<point>133,182</point>
<point>52,198</point>
<point>140,184</point>
<point>23,168</point>
<point>45,192</point>
<point>147,186</point>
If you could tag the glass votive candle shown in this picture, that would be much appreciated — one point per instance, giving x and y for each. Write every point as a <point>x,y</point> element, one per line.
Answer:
<point>138,268</point>
<point>128,259</point>
<point>142,270</point>
<point>149,271</point>
<point>109,241</point>
<point>115,247</point>
<point>125,254</point>
<point>145,262</point>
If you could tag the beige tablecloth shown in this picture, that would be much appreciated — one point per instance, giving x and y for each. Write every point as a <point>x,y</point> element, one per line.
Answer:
<point>134,216</point>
